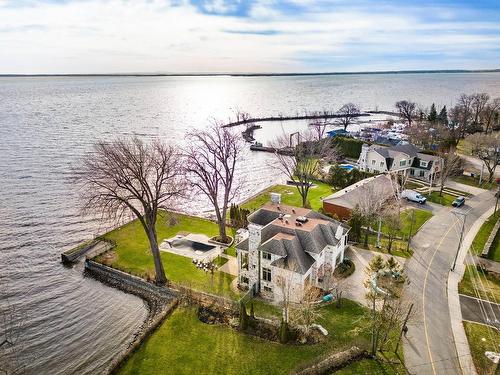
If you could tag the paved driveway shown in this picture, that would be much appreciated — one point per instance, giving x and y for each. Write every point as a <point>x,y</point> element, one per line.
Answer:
<point>361,257</point>
<point>430,347</point>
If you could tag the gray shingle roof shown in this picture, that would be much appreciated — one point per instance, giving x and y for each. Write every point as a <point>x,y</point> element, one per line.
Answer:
<point>292,242</point>
<point>349,197</point>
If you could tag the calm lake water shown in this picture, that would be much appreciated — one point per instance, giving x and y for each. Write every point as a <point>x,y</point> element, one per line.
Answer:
<point>74,325</point>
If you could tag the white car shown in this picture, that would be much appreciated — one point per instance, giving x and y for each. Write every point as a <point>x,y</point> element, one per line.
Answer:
<point>412,195</point>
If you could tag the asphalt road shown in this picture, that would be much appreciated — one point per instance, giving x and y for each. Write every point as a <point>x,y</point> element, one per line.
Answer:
<point>480,311</point>
<point>429,347</point>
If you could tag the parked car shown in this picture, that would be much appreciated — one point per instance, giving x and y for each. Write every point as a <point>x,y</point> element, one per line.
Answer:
<point>412,195</point>
<point>458,202</point>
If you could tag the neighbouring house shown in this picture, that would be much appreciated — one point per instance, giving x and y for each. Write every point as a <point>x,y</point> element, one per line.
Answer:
<point>291,244</point>
<point>341,203</point>
<point>405,159</point>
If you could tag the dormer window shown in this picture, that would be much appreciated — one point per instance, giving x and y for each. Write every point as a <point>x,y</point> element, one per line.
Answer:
<point>402,163</point>
<point>423,163</point>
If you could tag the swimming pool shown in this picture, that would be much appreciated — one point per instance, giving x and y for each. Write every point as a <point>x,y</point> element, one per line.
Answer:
<point>347,167</point>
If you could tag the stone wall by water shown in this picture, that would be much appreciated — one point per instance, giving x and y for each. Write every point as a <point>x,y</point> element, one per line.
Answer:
<point>161,303</point>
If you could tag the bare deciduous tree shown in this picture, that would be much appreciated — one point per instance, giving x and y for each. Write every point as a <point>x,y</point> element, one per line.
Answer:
<point>370,205</point>
<point>211,158</point>
<point>392,220</point>
<point>479,102</point>
<point>407,110</point>
<point>320,124</point>
<point>487,148</point>
<point>12,325</point>
<point>301,163</point>
<point>348,112</point>
<point>451,165</point>
<point>461,114</point>
<point>306,312</point>
<point>284,281</point>
<point>333,282</point>
<point>132,176</point>
<point>490,113</point>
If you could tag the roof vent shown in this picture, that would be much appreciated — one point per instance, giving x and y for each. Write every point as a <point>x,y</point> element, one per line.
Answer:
<point>301,219</point>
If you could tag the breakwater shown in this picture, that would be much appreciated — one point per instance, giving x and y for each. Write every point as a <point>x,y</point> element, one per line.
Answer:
<point>314,116</point>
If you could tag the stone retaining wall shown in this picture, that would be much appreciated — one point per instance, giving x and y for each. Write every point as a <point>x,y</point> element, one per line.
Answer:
<point>202,298</point>
<point>161,302</point>
<point>333,361</point>
<point>490,240</point>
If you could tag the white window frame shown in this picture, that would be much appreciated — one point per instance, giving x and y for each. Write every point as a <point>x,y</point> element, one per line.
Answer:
<point>266,272</point>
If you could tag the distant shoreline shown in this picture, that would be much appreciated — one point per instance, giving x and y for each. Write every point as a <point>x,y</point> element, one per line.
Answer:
<point>251,74</point>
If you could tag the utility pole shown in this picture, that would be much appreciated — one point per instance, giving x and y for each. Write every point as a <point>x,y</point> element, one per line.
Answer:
<point>402,328</point>
<point>481,175</point>
<point>412,220</point>
<point>430,183</point>
<point>497,195</point>
<point>464,214</point>
<point>379,229</point>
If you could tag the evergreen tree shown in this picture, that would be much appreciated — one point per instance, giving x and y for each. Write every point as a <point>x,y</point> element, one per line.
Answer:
<point>243,317</point>
<point>355,223</point>
<point>433,116</point>
<point>443,116</point>
<point>376,264</point>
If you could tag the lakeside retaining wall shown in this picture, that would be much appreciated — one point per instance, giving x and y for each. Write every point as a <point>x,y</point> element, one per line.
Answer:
<point>333,362</point>
<point>161,303</point>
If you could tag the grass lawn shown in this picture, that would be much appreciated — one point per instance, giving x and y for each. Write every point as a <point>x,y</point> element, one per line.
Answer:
<point>482,339</point>
<point>482,237</point>
<point>445,199</point>
<point>290,196</point>
<point>132,254</point>
<point>464,148</point>
<point>420,217</point>
<point>491,284</point>
<point>398,246</point>
<point>263,309</point>
<point>366,366</point>
<point>474,181</point>
<point>184,345</point>
<point>413,185</point>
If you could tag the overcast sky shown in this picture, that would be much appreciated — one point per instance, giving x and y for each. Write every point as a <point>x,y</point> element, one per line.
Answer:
<point>99,36</point>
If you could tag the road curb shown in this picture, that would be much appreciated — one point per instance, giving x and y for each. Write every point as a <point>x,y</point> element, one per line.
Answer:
<point>454,277</point>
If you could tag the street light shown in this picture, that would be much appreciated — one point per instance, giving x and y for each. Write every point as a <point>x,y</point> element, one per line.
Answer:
<point>464,214</point>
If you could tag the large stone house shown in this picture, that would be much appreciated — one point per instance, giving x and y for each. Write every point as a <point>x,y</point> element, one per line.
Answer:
<point>402,158</point>
<point>288,243</point>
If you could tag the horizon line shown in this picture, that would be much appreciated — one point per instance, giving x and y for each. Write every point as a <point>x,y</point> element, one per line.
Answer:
<point>187,74</point>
